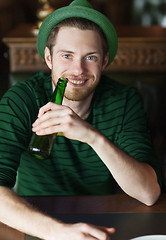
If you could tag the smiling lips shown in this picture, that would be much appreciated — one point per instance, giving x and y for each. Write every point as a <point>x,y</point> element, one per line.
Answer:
<point>77,82</point>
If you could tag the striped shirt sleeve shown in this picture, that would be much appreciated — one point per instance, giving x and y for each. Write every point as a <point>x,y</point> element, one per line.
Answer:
<point>134,137</point>
<point>15,130</point>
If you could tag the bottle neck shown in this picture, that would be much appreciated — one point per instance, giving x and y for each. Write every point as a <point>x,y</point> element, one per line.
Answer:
<point>57,96</point>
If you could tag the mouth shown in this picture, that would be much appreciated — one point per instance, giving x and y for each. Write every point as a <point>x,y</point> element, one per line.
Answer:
<point>77,82</point>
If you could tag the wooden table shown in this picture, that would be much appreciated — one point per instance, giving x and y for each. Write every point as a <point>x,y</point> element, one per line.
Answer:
<point>140,49</point>
<point>98,209</point>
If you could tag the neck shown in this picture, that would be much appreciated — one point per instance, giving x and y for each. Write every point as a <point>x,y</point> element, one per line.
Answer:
<point>81,108</point>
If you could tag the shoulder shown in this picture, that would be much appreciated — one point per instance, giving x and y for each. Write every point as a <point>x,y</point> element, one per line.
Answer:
<point>111,89</point>
<point>39,82</point>
<point>36,87</point>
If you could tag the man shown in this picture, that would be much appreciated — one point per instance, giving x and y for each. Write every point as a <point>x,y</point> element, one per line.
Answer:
<point>103,130</point>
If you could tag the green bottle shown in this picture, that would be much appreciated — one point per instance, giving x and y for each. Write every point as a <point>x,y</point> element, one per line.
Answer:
<point>40,146</point>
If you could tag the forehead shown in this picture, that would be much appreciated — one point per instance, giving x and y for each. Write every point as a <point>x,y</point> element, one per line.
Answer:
<point>72,36</point>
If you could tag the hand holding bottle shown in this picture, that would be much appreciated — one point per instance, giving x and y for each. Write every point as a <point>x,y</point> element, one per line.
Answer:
<point>54,118</point>
<point>40,146</point>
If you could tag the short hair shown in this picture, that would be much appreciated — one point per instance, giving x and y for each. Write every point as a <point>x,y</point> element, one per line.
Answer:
<point>80,23</point>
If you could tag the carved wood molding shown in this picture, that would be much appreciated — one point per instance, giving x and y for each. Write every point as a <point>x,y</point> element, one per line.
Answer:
<point>140,49</point>
<point>145,56</point>
<point>140,56</point>
<point>26,58</point>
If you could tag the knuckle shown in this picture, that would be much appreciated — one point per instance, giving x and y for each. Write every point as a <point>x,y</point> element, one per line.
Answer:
<point>49,104</point>
<point>82,236</point>
<point>69,117</point>
<point>69,111</point>
<point>84,226</point>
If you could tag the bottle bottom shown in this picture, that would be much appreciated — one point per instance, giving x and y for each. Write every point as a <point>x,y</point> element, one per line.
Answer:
<point>37,153</point>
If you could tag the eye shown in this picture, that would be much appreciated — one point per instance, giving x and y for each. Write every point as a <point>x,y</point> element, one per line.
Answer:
<point>67,56</point>
<point>92,58</point>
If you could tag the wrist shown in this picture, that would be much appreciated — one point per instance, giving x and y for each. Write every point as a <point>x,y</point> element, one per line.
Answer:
<point>94,137</point>
<point>48,228</point>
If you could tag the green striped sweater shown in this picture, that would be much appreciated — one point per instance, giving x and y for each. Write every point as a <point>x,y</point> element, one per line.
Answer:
<point>73,167</point>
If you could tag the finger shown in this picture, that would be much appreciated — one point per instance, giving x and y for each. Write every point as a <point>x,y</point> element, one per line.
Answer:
<point>49,125</point>
<point>44,109</point>
<point>52,115</point>
<point>103,233</point>
<point>99,232</point>
<point>111,230</point>
<point>48,107</point>
<point>46,131</point>
<point>52,111</point>
<point>90,237</point>
<point>49,118</point>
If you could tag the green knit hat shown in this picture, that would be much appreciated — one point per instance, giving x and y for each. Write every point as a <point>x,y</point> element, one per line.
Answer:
<point>83,9</point>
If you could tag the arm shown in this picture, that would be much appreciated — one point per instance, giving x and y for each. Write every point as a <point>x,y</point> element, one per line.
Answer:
<point>136,178</point>
<point>22,216</point>
<point>25,218</point>
<point>15,211</point>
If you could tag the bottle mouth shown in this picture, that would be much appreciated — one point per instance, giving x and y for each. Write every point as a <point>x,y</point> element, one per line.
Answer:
<point>62,80</point>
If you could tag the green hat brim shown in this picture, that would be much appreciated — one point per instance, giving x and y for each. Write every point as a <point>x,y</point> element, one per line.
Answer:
<point>78,11</point>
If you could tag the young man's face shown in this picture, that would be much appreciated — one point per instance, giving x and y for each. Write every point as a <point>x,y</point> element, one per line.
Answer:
<point>78,56</point>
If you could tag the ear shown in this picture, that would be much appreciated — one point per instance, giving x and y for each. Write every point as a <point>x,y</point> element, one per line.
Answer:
<point>48,57</point>
<point>105,61</point>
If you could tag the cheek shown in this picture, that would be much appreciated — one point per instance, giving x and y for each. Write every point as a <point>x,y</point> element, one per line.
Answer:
<point>58,67</point>
<point>96,67</point>
<point>96,70</point>
<point>62,66</point>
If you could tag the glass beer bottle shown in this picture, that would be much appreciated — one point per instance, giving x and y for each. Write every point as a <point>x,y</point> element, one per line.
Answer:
<point>40,146</point>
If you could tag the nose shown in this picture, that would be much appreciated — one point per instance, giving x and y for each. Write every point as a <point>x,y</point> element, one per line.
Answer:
<point>78,67</point>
